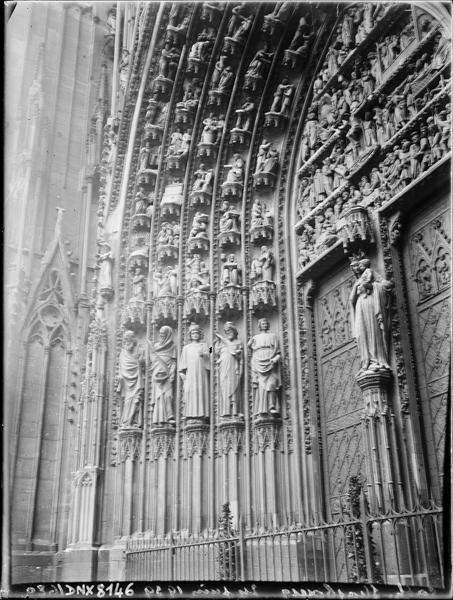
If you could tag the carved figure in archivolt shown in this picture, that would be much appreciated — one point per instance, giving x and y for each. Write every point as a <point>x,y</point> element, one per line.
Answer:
<point>163,369</point>
<point>370,311</point>
<point>245,115</point>
<point>105,269</point>
<point>282,97</point>
<point>194,367</point>
<point>230,270</point>
<point>265,369</point>
<point>124,68</point>
<point>197,274</point>
<point>262,267</point>
<point>165,282</point>
<point>236,172</point>
<point>130,381</point>
<point>203,179</point>
<point>231,364</point>
<point>139,285</point>
<point>260,61</point>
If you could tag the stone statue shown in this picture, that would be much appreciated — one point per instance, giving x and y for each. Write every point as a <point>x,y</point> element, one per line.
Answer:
<point>241,32</point>
<point>299,41</point>
<point>236,18</point>
<point>105,270</point>
<point>130,381</point>
<point>168,61</point>
<point>282,98</point>
<point>370,304</point>
<point>163,369</point>
<point>230,270</point>
<point>124,69</point>
<point>139,285</point>
<point>226,80</point>
<point>165,283</point>
<point>265,369</point>
<point>194,367</point>
<point>229,219</point>
<point>245,115</point>
<point>259,62</point>
<point>200,49</point>
<point>218,70</point>
<point>236,172</point>
<point>197,274</point>
<point>199,225</point>
<point>211,130</point>
<point>281,11</point>
<point>262,267</point>
<point>203,179</point>
<point>231,365</point>
<point>267,160</point>
<point>260,215</point>
<point>143,158</point>
<point>175,147</point>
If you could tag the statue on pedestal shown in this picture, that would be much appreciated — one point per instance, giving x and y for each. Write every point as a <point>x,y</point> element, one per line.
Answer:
<point>230,361</point>
<point>130,381</point>
<point>163,369</point>
<point>194,367</point>
<point>370,312</point>
<point>265,369</point>
<point>105,271</point>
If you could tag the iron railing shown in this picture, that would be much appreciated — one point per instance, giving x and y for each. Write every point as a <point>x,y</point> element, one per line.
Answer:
<point>404,547</point>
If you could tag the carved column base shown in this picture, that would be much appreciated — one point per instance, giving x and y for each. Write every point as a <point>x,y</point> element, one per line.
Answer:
<point>266,441</point>
<point>81,532</point>
<point>374,388</point>
<point>381,472</point>
<point>162,441</point>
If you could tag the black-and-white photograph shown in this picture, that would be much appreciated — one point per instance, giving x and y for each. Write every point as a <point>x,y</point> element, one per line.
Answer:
<point>227,299</point>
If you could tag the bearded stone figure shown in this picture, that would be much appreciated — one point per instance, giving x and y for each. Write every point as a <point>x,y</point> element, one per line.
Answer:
<point>163,369</point>
<point>194,367</point>
<point>131,384</point>
<point>265,369</point>
<point>370,312</point>
<point>230,363</point>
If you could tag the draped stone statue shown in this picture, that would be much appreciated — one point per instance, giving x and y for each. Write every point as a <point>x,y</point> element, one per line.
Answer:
<point>265,369</point>
<point>105,271</point>
<point>230,361</point>
<point>163,369</point>
<point>370,312</point>
<point>130,381</point>
<point>194,366</point>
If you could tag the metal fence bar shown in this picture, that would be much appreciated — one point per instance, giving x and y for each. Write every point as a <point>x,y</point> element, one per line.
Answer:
<point>315,550</point>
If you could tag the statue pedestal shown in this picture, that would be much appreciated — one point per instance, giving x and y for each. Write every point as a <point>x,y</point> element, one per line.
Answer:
<point>196,304</point>
<point>201,198</point>
<point>140,222</point>
<point>264,180</point>
<point>184,115</point>
<point>197,245</point>
<point>239,137</point>
<point>229,239</point>
<point>229,301</point>
<point>232,190</point>
<point>381,476</point>
<point>134,315</point>
<point>162,87</point>
<point>263,296</point>
<point>232,46</point>
<point>207,150</point>
<point>153,134</point>
<point>164,310</point>
<point>261,233</point>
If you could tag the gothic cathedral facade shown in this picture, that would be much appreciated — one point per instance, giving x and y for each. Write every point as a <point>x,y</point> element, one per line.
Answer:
<point>228,291</point>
